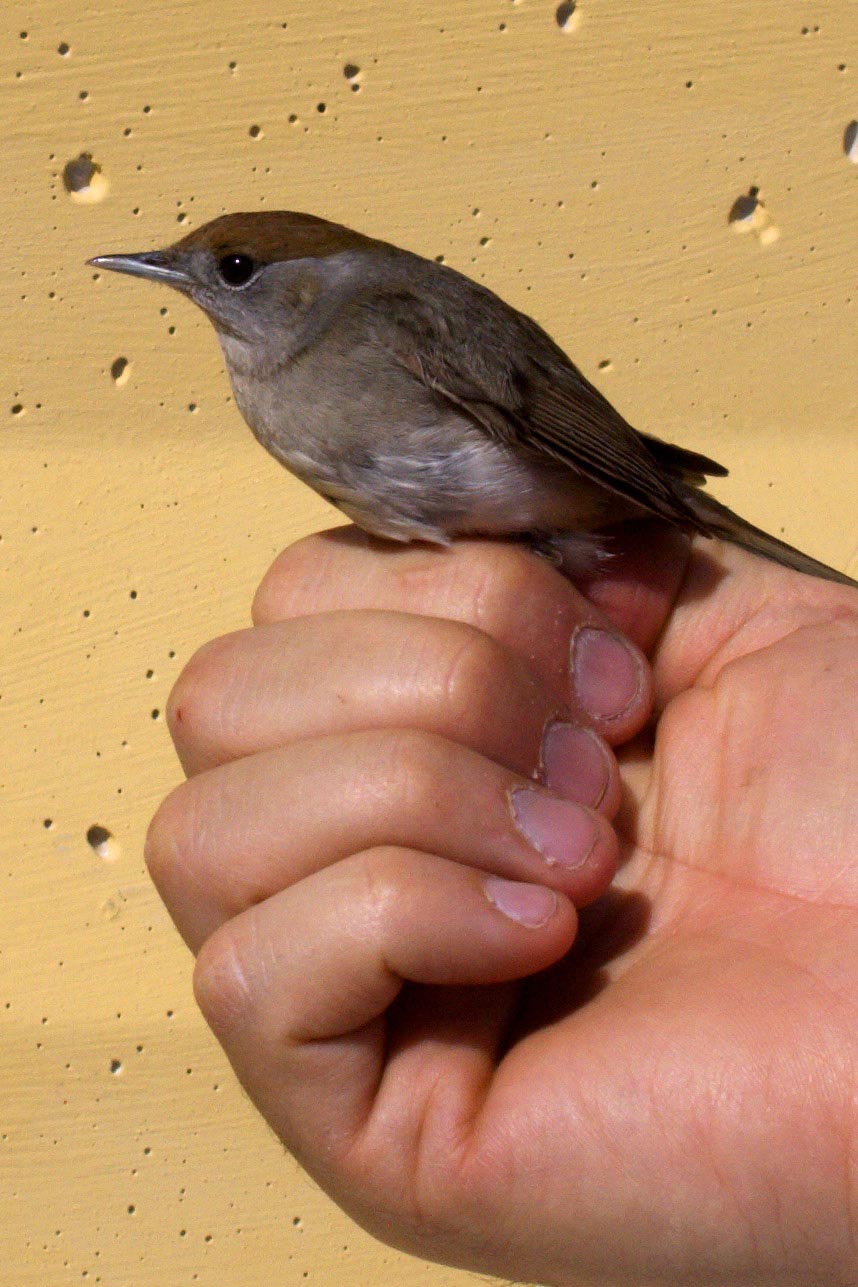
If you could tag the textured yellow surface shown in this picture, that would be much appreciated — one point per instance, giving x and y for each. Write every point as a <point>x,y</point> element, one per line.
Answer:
<point>588,175</point>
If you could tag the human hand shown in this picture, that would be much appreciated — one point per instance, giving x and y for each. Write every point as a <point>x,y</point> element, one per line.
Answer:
<point>635,1113</point>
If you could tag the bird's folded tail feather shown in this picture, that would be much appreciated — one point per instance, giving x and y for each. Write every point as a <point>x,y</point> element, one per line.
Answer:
<point>719,521</point>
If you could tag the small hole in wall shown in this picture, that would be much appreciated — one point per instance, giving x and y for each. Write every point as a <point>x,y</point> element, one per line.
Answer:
<point>255,131</point>
<point>749,214</point>
<point>63,49</point>
<point>850,141</point>
<point>566,15</point>
<point>745,207</point>
<point>103,842</point>
<point>78,174</point>
<point>83,180</point>
<point>120,369</point>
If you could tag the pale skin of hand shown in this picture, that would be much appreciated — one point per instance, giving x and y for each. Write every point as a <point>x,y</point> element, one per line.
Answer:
<point>671,1101</point>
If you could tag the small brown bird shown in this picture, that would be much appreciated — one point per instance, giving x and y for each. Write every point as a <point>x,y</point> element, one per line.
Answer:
<point>420,403</point>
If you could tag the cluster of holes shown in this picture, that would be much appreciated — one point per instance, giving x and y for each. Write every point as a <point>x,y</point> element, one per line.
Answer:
<point>351,72</point>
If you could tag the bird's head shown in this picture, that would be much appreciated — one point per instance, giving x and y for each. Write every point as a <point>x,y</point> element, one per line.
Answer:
<point>242,269</point>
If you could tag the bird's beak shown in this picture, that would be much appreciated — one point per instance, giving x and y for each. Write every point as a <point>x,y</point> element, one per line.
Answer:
<point>155,264</point>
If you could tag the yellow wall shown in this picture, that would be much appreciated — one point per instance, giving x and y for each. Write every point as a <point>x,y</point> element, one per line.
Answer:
<point>588,176</point>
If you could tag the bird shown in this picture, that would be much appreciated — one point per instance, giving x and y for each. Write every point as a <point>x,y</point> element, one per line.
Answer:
<point>424,406</point>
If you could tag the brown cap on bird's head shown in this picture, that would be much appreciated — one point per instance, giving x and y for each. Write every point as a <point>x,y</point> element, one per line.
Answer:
<point>270,235</point>
<point>241,243</point>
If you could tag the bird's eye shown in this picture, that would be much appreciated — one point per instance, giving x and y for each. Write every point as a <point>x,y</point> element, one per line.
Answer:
<point>236,270</point>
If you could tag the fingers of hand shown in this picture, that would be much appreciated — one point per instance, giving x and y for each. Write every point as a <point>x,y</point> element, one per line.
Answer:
<point>346,671</point>
<point>233,836</point>
<point>295,987</point>
<point>508,593</point>
<point>636,587</point>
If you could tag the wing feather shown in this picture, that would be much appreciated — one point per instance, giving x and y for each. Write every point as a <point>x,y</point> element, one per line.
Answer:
<point>498,366</point>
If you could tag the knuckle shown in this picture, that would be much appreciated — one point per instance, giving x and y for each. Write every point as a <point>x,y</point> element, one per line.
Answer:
<point>272,593</point>
<point>222,986</point>
<point>471,670</point>
<point>379,872</point>
<point>413,766</point>
<point>291,580</point>
<point>194,704</point>
<point>501,578</point>
<point>158,849</point>
<point>172,842</point>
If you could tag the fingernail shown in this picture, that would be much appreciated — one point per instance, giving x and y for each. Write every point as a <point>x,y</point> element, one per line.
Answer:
<point>557,829</point>
<point>606,674</point>
<point>574,763</point>
<point>530,905</point>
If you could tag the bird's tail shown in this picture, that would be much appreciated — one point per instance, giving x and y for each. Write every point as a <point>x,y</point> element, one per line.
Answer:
<point>720,521</point>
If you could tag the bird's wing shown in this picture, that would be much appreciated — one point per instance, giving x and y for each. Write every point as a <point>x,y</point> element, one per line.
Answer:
<point>689,466</point>
<point>508,375</point>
